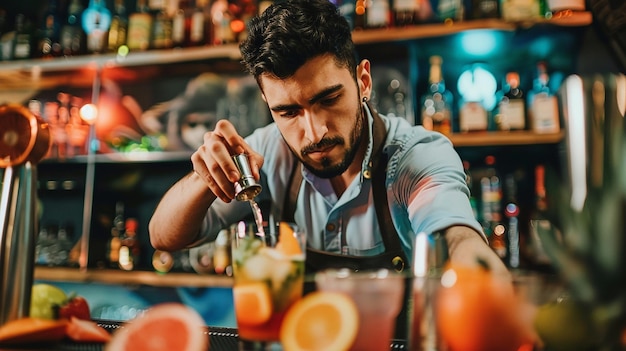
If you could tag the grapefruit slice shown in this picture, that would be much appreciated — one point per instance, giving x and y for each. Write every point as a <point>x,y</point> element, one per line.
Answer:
<point>164,327</point>
<point>287,242</point>
<point>253,303</point>
<point>320,321</point>
<point>31,330</point>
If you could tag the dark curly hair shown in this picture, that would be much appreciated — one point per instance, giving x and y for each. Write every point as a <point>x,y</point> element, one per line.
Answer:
<point>288,34</point>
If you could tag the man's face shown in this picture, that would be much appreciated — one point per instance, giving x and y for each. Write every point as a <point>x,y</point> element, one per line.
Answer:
<point>319,114</point>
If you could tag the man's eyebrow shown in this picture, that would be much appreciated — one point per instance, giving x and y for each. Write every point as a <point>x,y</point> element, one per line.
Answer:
<point>322,94</point>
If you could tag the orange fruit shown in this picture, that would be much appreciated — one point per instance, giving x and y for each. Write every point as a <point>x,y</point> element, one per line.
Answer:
<point>320,321</point>
<point>32,330</point>
<point>253,303</point>
<point>479,311</point>
<point>163,327</point>
<point>287,241</point>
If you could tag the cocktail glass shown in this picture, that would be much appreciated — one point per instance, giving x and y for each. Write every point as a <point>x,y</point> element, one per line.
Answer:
<point>268,271</point>
<point>378,296</point>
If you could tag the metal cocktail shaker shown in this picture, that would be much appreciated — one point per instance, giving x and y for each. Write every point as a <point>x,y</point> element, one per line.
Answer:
<point>246,188</point>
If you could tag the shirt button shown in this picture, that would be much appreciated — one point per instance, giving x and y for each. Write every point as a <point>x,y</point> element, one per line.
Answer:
<point>330,227</point>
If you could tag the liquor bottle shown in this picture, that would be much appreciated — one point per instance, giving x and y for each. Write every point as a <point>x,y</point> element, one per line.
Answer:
<point>512,107</point>
<point>73,40</point>
<point>520,10</point>
<point>161,34</point>
<point>543,105</point>
<point>437,102</point>
<point>129,249</point>
<point>23,39</point>
<point>491,197</point>
<point>221,17</point>
<point>511,212</point>
<point>115,241</point>
<point>539,222</point>
<point>119,26</point>
<point>49,40</point>
<point>377,14</point>
<point>139,27</point>
<point>405,12</point>
<point>199,28</point>
<point>4,28</point>
<point>450,10</point>
<point>96,21</point>
<point>485,9</point>
<point>360,8</point>
<point>475,86</point>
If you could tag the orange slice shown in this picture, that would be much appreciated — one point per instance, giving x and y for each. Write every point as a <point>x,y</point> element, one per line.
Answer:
<point>253,303</point>
<point>320,321</point>
<point>287,241</point>
<point>30,330</point>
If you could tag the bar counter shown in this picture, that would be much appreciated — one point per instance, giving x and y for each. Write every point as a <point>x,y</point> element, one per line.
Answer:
<point>220,339</point>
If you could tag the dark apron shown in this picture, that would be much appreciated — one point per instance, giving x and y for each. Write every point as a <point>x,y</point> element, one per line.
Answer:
<point>393,258</point>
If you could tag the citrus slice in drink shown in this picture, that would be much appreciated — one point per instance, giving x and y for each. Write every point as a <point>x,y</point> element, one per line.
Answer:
<point>287,242</point>
<point>166,326</point>
<point>320,321</point>
<point>253,303</point>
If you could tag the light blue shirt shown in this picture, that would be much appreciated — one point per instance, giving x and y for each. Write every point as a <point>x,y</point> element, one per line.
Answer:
<point>425,185</point>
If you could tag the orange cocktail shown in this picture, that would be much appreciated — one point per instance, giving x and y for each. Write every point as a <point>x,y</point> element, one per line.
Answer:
<point>268,277</point>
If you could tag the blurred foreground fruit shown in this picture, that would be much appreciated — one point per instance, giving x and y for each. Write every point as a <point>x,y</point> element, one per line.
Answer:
<point>479,311</point>
<point>320,321</point>
<point>565,326</point>
<point>31,330</point>
<point>81,330</point>
<point>164,327</point>
<point>74,306</point>
<point>45,298</point>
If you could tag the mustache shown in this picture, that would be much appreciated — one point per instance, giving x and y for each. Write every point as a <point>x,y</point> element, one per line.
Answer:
<point>322,144</point>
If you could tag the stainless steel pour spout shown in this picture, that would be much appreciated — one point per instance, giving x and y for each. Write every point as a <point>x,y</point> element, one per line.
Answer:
<point>24,140</point>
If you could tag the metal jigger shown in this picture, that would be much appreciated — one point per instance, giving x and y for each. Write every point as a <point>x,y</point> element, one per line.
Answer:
<point>246,188</point>
<point>24,140</point>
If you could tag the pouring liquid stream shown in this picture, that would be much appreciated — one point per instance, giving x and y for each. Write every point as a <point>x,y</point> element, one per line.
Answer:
<point>258,219</point>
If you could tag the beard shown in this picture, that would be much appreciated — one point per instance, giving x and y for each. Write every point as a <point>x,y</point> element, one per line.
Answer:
<point>330,170</point>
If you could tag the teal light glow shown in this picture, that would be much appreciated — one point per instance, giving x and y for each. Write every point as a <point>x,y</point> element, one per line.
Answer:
<point>478,84</point>
<point>479,42</point>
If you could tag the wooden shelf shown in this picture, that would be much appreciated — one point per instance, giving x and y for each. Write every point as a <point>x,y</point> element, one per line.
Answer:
<point>574,19</point>
<point>504,138</point>
<point>110,276</point>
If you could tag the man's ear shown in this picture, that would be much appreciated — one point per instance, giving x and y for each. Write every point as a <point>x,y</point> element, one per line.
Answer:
<point>364,79</point>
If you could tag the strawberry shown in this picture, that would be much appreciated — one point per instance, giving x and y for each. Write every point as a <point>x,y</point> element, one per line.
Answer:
<point>75,306</point>
<point>82,330</point>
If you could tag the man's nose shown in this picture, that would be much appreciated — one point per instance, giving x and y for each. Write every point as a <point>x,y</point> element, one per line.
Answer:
<point>314,129</point>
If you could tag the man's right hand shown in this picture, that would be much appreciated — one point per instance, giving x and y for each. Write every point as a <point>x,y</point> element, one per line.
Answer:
<point>213,162</point>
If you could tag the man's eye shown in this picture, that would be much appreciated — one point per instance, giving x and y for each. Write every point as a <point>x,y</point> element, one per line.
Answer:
<point>289,113</point>
<point>329,101</point>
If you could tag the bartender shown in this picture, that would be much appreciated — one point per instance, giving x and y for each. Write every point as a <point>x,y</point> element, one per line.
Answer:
<point>361,184</point>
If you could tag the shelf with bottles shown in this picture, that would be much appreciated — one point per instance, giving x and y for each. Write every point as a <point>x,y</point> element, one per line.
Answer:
<point>431,30</point>
<point>32,73</point>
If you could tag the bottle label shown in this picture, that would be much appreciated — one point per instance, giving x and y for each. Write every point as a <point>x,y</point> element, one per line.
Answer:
<point>519,10</point>
<point>472,117</point>
<point>512,114</point>
<point>545,114</point>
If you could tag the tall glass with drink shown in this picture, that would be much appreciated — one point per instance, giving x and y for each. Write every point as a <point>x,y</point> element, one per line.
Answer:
<point>268,270</point>
<point>378,297</point>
